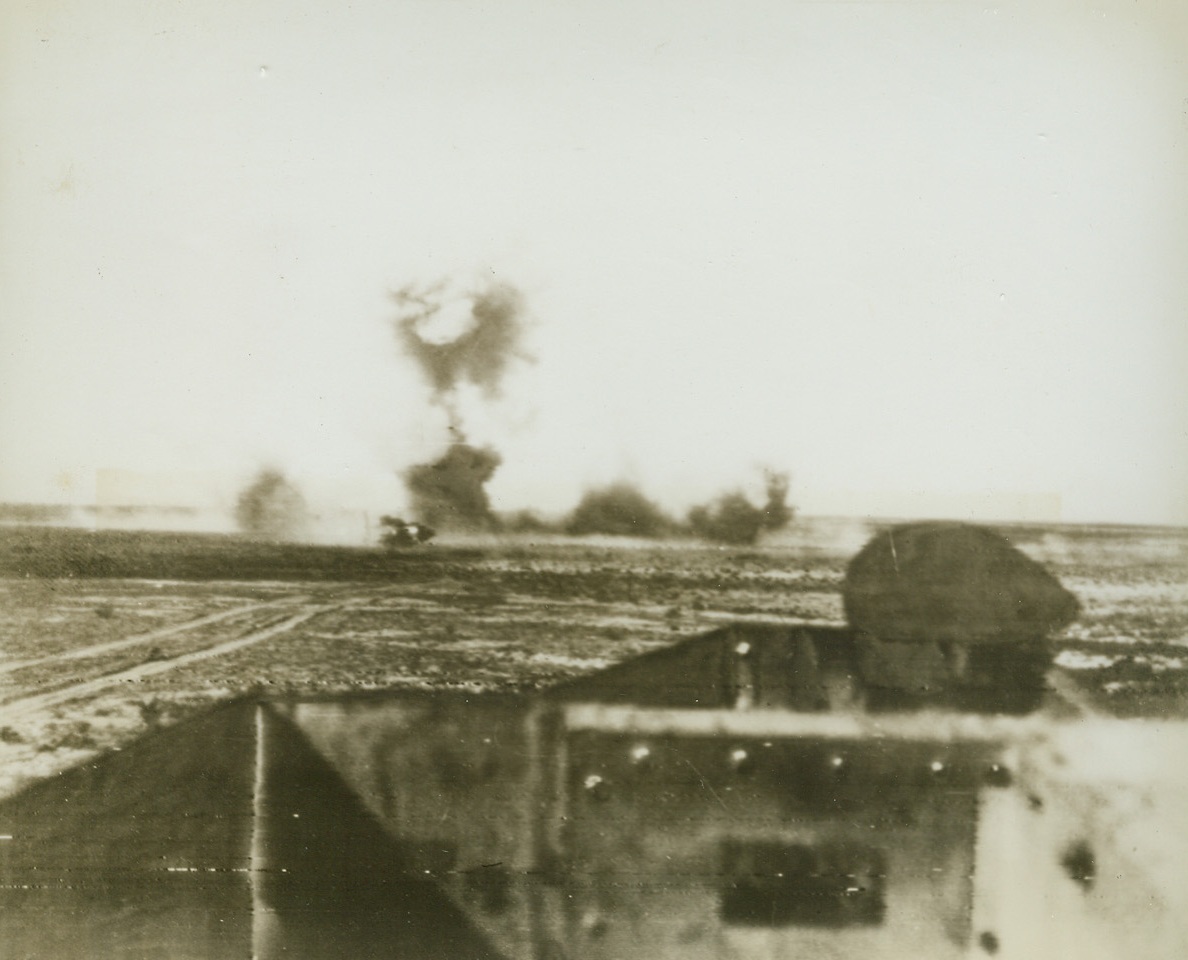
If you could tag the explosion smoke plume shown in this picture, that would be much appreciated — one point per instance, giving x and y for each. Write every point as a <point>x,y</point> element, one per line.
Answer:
<point>461,339</point>
<point>450,493</point>
<point>458,340</point>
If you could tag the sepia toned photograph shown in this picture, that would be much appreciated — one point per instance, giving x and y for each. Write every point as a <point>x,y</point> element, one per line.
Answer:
<point>593,481</point>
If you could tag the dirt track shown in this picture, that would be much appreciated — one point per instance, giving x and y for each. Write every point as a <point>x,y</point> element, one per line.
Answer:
<point>13,709</point>
<point>141,638</point>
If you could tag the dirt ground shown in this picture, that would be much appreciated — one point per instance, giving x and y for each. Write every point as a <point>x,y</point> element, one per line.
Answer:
<point>104,636</point>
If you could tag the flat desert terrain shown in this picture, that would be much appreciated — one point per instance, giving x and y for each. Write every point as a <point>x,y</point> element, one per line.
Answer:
<point>107,634</point>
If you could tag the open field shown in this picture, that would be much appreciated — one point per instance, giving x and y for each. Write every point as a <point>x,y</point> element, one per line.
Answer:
<point>106,634</point>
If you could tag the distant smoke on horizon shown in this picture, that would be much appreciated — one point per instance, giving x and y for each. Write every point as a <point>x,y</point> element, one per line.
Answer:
<point>733,518</point>
<point>461,339</point>
<point>622,509</point>
<point>472,340</point>
<point>456,340</point>
<point>272,508</point>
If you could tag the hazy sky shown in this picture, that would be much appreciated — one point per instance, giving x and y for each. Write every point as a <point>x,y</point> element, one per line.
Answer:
<point>931,258</point>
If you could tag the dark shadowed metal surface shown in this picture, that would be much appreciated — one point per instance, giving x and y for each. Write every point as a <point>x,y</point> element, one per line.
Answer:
<point>734,796</point>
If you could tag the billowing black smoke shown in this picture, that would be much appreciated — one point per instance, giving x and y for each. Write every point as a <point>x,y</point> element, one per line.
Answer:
<point>459,340</point>
<point>272,508</point>
<point>450,493</point>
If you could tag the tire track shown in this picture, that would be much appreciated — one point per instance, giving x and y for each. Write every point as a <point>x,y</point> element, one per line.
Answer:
<point>343,598</point>
<point>82,653</point>
<point>23,706</point>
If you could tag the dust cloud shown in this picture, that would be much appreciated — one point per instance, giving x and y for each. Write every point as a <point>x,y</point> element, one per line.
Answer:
<point>271,507</point>
<point>622,509</point>
<point>732,518</point>
<point>471,341</point>
<point>619,510</point>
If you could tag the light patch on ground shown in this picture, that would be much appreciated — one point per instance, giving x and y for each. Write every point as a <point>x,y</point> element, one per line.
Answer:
<point>1077,660</point>
<point>393,633</point>
<point>575,663</point>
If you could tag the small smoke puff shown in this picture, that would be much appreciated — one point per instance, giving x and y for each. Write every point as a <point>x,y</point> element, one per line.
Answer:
<point>777,514</point>
<point>731,518</point>
<point>455,340</point>
<point>271,508</point>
